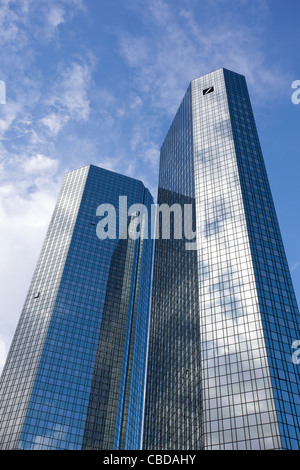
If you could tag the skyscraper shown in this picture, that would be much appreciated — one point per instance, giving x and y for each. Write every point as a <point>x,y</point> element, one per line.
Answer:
<point>75,373</point>
<point>224,315</point>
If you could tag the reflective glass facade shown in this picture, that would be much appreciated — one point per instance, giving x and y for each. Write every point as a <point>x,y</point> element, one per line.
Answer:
<point>244,312</point>
<point>75,373</point>
<point>173,395</point>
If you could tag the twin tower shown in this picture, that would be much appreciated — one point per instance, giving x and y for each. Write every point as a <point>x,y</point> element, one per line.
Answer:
<point>209,365</point>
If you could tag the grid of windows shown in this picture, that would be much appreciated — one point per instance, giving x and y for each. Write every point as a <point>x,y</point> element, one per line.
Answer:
<point>19,372</point>
<point>278,307</point>
<point>223,317</point>
<point>91,341</point>
<point>237,294</point>
<point>173,399</point>
<point>238,404</point>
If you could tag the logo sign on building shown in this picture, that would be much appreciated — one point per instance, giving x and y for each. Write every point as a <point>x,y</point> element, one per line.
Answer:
<point>208,90</point>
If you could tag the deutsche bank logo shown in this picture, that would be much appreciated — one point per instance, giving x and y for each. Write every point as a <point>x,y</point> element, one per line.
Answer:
<point>208,90</point>
<point>2,92</point>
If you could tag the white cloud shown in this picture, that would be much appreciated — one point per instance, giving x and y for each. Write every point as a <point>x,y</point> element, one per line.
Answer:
<point>20,20</point>
<point>21,24</point>
<point>295,265</point>
<point>53,122</point>
<point>109,163</point>
<point>74,91</point>
<point>135,50</point>
<point>68,98</point>
<point>9,113</point>
<point>39,164</point>
<point>9,24</point>
<point>26,205</point>
<point>38,107</point>
<point>55,16</point>
<point>145,150</point>
<point>184,45</point>
<point>136,102</point>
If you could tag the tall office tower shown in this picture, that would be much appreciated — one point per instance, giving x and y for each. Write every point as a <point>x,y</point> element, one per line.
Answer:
<point>75,373</point>
<point>224,317</point>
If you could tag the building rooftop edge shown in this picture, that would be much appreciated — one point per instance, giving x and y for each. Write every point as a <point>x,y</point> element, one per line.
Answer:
<point>214,71</point>
<point>91,165</point>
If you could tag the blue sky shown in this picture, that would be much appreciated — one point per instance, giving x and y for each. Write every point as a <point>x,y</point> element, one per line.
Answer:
<point>98,81</point>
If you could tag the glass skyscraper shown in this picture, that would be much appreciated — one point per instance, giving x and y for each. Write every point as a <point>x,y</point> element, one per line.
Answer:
<point>75,373</point>
<point>224,314</point>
